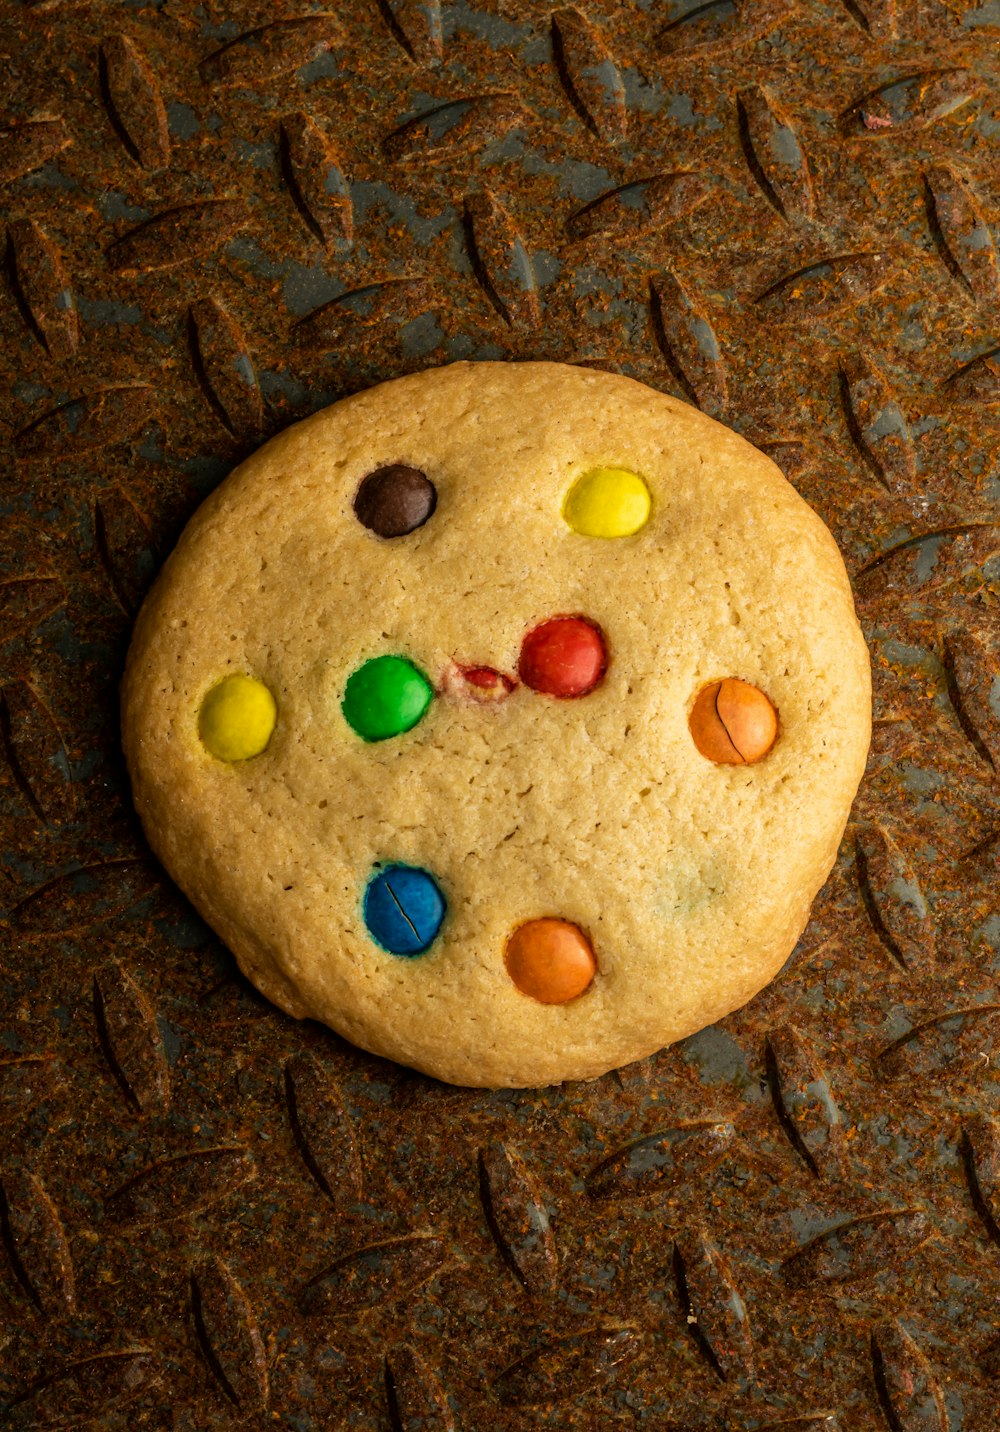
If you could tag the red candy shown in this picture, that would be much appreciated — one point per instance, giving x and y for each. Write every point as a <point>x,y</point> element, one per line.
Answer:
<point>477,683</point>
<point>564,656</point>
<point>487,679</point>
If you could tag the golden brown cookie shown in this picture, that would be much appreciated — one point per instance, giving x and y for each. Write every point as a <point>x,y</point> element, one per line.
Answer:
<point>505,717</point>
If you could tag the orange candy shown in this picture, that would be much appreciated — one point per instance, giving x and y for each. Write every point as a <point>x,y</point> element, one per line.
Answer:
<point>733,723</point>
<point>551,960</point>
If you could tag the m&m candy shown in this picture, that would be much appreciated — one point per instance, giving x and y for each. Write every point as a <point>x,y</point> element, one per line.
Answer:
<point>607,502</point>
<point>733,723</point>
<point>385,697</point>
<point>550,959</point>
<point>237,718</point>
<point>403,908</point>
<point>394,501</point>
<point>564,656</point>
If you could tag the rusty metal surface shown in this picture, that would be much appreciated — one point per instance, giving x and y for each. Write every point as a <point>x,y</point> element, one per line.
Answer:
<point>219,217</point>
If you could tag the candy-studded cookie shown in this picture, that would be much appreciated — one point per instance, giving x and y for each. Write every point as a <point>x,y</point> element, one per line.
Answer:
<point>505,717</point>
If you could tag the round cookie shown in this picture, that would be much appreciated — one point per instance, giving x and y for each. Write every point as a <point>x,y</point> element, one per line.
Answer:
<point>584,809</point>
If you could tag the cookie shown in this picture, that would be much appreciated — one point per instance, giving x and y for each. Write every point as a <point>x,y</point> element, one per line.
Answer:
<point>505,717</point>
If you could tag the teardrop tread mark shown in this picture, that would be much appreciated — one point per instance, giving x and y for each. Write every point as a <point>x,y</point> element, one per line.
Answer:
<point>178,1186</point>
<point>270,51</point>
<point>29,144</point>
<point>876,423</point>
<point>803,1099</point>
<point>687,341</point>
<point>876,17</point>
<point>25,602</point>
<point>568,1366</point>
<point>228,1334</point>
<point>458,127</point>
<point>392,300</point>
<point>774,155</point>
<point>977,381</point>
<point>314,173</point>
<point>134,103</point>
<point>416,27</point>
<point>378,1273</point>
<point>660,1162</point>
<point>323,1130</point>
<point>41,288</point>
<point>589,75</point>
<point>912,101</point>
<point>124,544</point>
<point>83,897</point>
<point>858,1249</point>
<point>908,1391</point>
<point>894,902</point>
<point>500,261</point>
<point>224,368</point>
<point>715,1312</point>
<point>91,421</point>
<point>980,1149</point>
<point>960,232</point>
<point>35,753</point>
<point>711,24</point>
<point>92,1387</point>
<point>36,1244</point>
<point>640,206</point>
<point>948,1041</point>
<point>177,236</point>
<point>25,1081</point>
<point>517,1217</point>
<point>970,546</point>
<point>702,26</point>
<point>971,666</point>
<point>415,1398</point>
<point>131,1039</point>
<point>827,287</point>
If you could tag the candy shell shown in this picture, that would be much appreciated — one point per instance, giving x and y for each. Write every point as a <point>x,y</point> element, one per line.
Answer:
<point>394,501</point>
<point>733,723</point>
<point>237,718</point>
<point>403,909</point>
<point>385,697</point>
<point>607,502</point>
<point>565,656</point>
<point>550,959</point>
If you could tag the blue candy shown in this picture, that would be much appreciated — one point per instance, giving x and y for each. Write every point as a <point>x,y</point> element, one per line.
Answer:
<point>403,909</point>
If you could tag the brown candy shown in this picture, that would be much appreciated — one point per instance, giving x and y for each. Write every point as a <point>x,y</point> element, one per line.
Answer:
<point>395,500</point>
<point>733,723</point>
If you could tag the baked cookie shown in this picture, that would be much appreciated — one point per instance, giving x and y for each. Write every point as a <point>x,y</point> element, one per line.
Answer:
<point>505,717</point>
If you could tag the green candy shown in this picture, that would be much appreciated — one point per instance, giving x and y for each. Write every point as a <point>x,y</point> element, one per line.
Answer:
<point>385,697</point>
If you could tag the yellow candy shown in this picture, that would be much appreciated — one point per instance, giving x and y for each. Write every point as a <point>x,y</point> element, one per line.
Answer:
<point>607,502</point>
<point>237,718</point>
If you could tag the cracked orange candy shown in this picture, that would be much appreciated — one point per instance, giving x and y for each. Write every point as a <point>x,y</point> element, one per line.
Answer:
<point>733,723</point>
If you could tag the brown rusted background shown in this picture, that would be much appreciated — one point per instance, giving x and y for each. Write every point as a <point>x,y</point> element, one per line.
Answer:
<point>221,216</point>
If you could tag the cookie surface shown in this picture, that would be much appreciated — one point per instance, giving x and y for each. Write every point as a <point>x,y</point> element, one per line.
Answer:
<point>481,740</point>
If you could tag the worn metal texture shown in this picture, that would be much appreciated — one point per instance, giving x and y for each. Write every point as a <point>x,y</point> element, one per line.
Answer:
<point>222,216</point>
